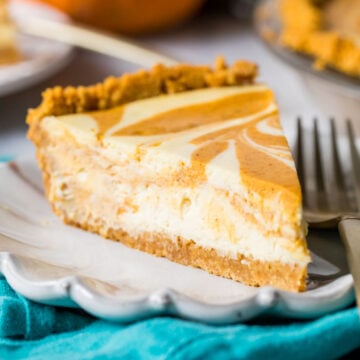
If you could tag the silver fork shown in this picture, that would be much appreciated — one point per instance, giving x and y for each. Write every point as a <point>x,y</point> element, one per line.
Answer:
<point>332,199</point>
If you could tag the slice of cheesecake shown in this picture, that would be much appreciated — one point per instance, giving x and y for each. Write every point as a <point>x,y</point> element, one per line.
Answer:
<point>188,163</point>
<point>8,49</point>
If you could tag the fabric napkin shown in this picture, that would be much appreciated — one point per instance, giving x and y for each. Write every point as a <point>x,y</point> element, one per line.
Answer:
<point>33,331</point>
<point>5,158</point>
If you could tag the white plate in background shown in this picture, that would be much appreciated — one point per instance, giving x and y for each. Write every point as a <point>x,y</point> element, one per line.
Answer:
<point>41,58</point>
<point>52,263</point>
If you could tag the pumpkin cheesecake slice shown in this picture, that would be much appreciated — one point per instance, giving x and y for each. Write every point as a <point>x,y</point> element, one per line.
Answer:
<point>187,162</point>
<point>8,49</point>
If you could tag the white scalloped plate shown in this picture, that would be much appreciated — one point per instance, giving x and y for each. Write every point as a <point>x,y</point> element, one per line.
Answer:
<point>52,263</point>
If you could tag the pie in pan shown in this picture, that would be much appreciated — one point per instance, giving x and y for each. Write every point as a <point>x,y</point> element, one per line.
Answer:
<point>328,30</point>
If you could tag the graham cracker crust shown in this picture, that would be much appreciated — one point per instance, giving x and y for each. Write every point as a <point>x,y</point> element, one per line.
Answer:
<point>160,80</point>
<point>244,269</point>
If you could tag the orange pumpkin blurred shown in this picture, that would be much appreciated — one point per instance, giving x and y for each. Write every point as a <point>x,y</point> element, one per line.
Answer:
<point>129,16</point>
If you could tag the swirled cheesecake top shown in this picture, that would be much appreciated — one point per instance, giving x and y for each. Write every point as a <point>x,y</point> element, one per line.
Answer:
<point>233,129</point>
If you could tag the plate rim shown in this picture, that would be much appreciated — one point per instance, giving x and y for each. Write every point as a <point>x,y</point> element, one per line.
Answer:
<point>73,291</point>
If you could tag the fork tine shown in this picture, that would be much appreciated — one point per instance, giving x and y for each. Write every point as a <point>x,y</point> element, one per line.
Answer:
<point>355,161</point>
<point>300,161</point>
<point>322,200</point>
<point>342,199</point>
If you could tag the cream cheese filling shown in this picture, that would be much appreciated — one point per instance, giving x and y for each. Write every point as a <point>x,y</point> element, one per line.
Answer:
<point>112,181</point>
<point>211,220</point>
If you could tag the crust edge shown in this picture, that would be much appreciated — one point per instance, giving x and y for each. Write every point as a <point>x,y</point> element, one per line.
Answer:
<point>159,80</point>
<point>244,269</point>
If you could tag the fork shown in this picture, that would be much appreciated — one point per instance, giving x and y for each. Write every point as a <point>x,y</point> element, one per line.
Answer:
<point>332,199</point>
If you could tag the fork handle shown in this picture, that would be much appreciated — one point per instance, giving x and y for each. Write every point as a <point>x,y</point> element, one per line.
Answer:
<point>349,228</point>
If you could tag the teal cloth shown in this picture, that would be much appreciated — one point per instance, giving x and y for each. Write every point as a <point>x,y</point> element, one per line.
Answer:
<point>5,158</point>
<point>33,331</point>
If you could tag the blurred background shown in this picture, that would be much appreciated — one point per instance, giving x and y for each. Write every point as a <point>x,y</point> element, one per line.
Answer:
<point>193,31</point>
<point>190,31</point>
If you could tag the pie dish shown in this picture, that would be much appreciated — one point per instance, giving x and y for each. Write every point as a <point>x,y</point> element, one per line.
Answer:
<point>184,162</point>
<point>327,30</point>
